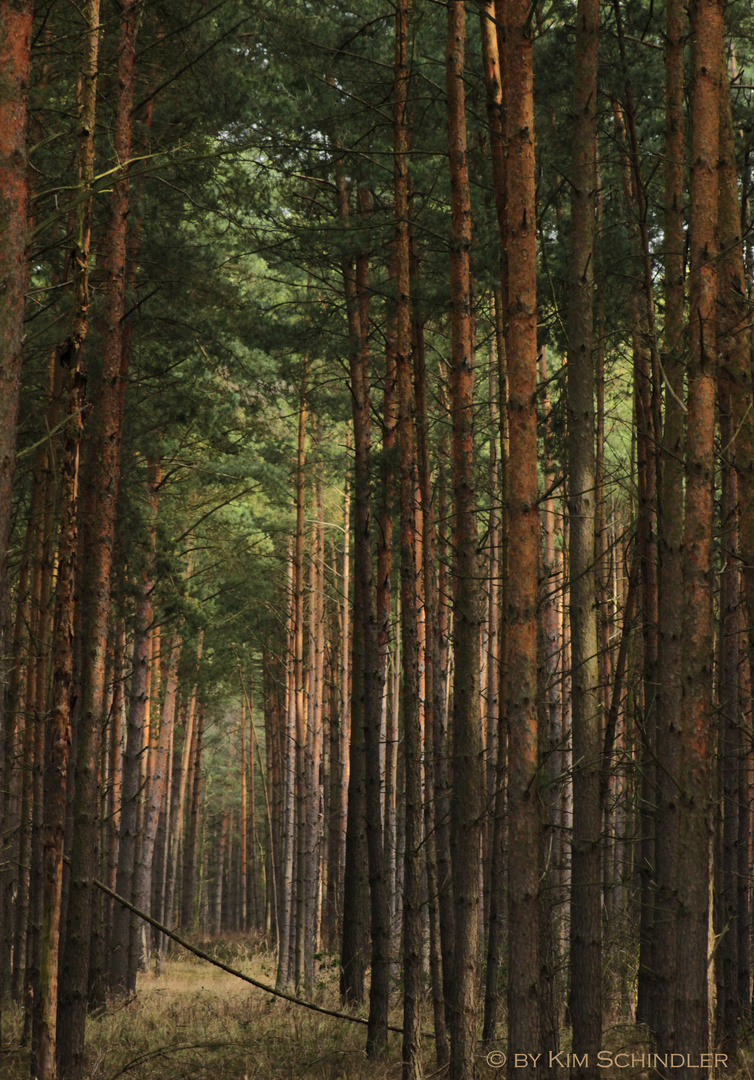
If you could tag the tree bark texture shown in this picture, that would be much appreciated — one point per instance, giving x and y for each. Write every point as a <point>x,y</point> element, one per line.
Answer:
<point>523,539</point>
<point>586,928</point>
<point>15,48</point>
<point>466,801</point>
<point>691,1020</point>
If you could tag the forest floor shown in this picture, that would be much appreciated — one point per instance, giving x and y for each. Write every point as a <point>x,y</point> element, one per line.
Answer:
<point>197,1022</point>
<point>194,1021</point>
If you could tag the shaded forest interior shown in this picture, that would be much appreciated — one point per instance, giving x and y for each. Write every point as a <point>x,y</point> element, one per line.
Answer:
<point>376,537</point>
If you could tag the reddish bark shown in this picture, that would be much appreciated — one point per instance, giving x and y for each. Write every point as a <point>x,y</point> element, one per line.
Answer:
<point>737,441</point>
<point>466,794</point>
<point>691,1020</point>
<point>523,534</point>
<point>15,45</point>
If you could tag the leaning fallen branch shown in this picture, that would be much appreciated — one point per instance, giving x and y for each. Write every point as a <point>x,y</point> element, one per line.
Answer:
<point>232,971</point>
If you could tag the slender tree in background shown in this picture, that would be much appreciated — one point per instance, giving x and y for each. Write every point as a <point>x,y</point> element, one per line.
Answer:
<point>412,935</point>
<point>586,928</point>
<point>299,686</point>
<point>355,883</point>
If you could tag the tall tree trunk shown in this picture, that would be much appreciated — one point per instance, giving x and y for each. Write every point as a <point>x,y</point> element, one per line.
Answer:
<point>154,804</point>
<point>131,789</point>
<point>179,832</point>
<point>409,690</point>
<point>737,440</point>
<point>646,539</point>
<point>300,687</point>
<point>102,474</point>
<point>498,905</point>
<point>245,915</point>
<point>523,537</point>
<point>586,918</point>
<point>191,849</point>
<point>466,801</point>
<point>345,680</point>
<point>691,1020</point>
<point>15,47</point>
<point>288,808</point>
<point>252,887</point>
<point>366,698</point>
<point>670,535</point>
<point>431,673</point>
<point>70,996</point>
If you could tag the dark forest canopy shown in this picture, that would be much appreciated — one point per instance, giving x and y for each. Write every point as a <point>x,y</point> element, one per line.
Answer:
<point>377,519</point>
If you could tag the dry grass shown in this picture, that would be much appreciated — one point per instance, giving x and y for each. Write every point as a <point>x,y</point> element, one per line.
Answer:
<point>193,1021</point>
<point>196,1022</point>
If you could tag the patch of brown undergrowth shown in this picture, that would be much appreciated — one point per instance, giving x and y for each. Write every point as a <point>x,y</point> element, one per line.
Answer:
<point>193,1021</point>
